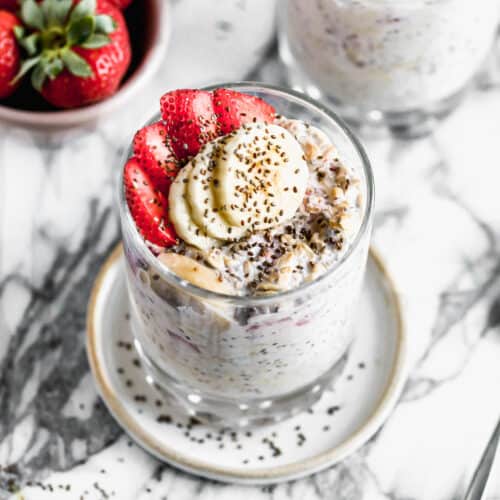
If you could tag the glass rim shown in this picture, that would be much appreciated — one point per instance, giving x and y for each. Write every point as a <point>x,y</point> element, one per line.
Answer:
<point>246,300</point>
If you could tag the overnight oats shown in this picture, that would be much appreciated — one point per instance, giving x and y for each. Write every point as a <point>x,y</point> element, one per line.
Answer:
<point>246,217</point>
<point>398,61</point>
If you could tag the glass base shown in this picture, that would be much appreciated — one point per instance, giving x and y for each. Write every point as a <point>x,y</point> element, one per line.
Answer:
<point>411,124</point>
<point>226,413</point>
<point>408,124</point>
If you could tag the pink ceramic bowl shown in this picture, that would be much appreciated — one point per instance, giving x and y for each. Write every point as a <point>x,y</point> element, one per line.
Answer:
<point>149,27</point>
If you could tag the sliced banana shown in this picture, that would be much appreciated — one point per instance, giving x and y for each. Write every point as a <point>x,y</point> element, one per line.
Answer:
<point>200,194</point>
<point>194,272</point>
<point>261,177</point>
<point>251,179</point>
<point>180,213</point>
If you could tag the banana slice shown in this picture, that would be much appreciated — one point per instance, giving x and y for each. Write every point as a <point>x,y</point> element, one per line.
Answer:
<point>194,272</point>
<point>180,213</point>
<point>251,179</point>
<point>200,194</point>
<point>261,177</point>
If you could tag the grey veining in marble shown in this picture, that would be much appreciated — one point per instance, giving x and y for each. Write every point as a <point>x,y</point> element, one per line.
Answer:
<point>437,226</point>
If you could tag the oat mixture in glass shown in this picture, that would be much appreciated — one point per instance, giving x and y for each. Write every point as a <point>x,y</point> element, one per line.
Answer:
<point>246,257</point>
<point>301,248</point>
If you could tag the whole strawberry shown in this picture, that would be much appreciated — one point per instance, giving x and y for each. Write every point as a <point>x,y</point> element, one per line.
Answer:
<point>9,53</point>
<point>77,51</point>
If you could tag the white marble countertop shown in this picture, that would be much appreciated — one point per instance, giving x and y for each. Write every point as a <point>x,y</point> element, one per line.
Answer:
<point>437,227</point>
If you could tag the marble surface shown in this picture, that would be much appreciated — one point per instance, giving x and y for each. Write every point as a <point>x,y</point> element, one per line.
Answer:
<point>437,226</point>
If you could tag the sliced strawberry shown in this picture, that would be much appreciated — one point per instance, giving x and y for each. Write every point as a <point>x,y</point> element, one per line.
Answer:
<point>234,109</point>
<point>148,206</point>
<point>155,156</point>
<point>190,120</point>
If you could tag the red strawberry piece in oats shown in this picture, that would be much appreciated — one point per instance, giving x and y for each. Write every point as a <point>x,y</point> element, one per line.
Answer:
<point>152,150</point>
<point>190,120</point>
<point>234,109</point>
<point>148,206</point>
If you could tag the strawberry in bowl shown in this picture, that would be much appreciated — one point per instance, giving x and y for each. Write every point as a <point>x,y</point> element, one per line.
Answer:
<point>9,53</point>
<point>81,59</point>
<point>76,52</point>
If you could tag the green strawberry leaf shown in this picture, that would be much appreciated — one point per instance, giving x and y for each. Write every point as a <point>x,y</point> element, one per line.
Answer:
<point>38,77</point>
<point>82,9</point>
<point>25,67</point>
<point>46,7</point>
<point>96,41</point>
<point>18,32</point>
<point>76,65</point>
<point>104,24</point>
<point>62,10</point>
<point>79,31</point>
<point>52,67</point>
<point>30,43</point>
<point>32,14</point>
<point>56,11</point>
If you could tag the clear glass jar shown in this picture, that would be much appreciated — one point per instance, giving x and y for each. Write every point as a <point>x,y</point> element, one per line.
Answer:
<point>395,62</point>
<point>241,361</point>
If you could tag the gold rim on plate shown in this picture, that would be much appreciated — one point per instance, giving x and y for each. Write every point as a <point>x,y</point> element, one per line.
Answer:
<point>282,472</point>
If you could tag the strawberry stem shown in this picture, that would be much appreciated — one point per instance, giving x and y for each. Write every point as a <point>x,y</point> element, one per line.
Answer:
<point>51,29</point>
<point>54,38</point>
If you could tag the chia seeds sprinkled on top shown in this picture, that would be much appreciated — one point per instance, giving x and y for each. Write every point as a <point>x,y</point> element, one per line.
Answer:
<point>282,257</point>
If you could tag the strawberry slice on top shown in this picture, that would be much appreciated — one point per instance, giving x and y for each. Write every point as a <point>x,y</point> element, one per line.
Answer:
<point>190,120</point>
<point>152,150</point>
<point>234,109</point>
<point>148,206</point>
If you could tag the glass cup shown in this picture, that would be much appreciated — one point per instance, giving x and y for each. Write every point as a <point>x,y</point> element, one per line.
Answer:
<point>399,63</point>
<point>239,361</point>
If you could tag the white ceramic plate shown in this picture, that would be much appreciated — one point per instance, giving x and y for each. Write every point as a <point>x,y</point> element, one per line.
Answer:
<point>342,421</point>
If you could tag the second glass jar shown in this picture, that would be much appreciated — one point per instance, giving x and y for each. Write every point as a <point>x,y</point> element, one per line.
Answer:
<point>399,62</point>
